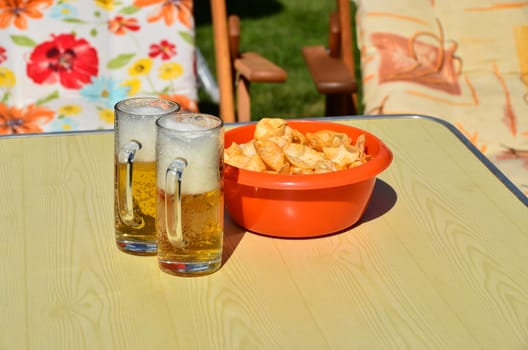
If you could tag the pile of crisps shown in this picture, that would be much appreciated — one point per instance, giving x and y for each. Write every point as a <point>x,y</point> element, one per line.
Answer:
<point>278,148</point>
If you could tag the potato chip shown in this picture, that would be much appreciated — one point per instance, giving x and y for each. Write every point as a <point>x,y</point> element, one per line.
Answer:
<point>280,149</point>
<point>302,156</point>
<point>248,148</point>
<point>235,156</point>
<point>324,166</point>
<point>285,169</point>
<point>301,171</point>
<point>270,153</point>
<point>234,149</point>
<point>360,144</point>
<point>342,156</point>
<point>255,163</point>
<point>295,136</point>
<point>327,138</point>
<point>281,141</point>
<point>268,127</point>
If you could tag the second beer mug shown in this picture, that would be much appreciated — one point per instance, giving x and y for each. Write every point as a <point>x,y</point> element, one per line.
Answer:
<point>135,172</point>
<point>190,198</point>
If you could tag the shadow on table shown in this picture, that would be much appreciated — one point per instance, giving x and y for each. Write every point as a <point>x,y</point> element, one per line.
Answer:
<point>382,200</point>
<point>232,236</point>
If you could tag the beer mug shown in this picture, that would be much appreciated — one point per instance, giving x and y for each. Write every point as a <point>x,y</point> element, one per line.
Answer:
<point>190,197</point>
<point>135,172</point>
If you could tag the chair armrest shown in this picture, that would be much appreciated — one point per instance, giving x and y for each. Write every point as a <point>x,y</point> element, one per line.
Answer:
<point>330,75</point>
<point>258,69</point>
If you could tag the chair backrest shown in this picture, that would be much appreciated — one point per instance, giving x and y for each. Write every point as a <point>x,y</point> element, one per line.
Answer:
<point>63,65</point>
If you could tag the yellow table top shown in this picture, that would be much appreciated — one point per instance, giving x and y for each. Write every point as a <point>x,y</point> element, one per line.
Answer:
<point>440,260</point>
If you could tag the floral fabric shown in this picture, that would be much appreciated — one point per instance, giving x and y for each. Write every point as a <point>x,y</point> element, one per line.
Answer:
<point>464,61</point>
<point>65,63</point>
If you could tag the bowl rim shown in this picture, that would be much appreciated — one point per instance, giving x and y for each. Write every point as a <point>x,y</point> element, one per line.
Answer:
<point>357,174</point>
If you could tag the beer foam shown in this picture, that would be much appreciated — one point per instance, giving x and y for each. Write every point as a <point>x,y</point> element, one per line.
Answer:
<point>142,130</point>
<point>202,153</point>
<point>146,110</point>
<point>182,125</point>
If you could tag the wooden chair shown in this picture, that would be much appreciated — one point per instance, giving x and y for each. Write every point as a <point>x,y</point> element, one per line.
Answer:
<point>237,70</point>
<point>332,67</point>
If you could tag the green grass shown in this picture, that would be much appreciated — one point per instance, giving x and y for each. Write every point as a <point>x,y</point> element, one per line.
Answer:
<point>276,29</point>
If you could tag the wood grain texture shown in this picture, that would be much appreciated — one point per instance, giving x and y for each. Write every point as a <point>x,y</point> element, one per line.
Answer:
<point>439,261</point>
<point>13,269</point>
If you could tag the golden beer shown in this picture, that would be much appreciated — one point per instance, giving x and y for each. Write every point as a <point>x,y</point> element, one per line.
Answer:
<point>135,172</point>
<point>202,226</point>
<point>143,230</point>
<point>190,197</point>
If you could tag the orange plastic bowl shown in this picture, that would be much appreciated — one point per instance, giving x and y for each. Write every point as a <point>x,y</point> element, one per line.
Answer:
<point>297,206</point>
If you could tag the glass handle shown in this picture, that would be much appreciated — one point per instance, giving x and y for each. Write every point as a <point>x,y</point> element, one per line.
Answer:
<point>126,201</point>
<point>173,217</point>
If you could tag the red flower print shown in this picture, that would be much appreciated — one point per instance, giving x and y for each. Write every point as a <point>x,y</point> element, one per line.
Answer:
<point>71,61</point>
<point>165,49</point>
<point>17,11</point>
<point>169,10</point>
<point>3,55</point>
<point>120,24</point>
<point>18,121</point>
